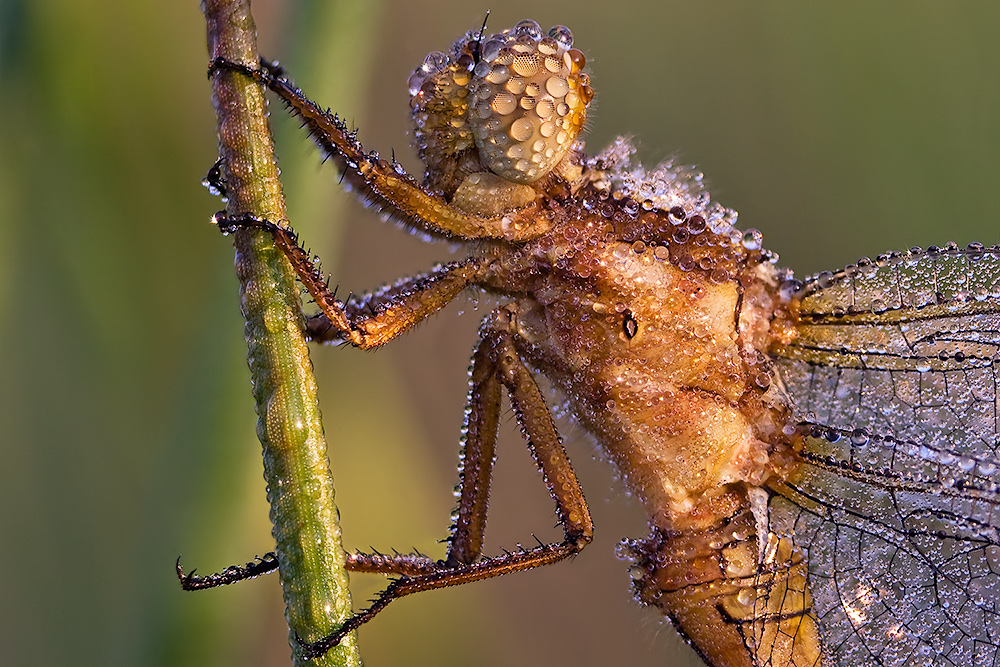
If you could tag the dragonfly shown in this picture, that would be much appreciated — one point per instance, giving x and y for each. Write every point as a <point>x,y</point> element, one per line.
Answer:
<point>818,459</point>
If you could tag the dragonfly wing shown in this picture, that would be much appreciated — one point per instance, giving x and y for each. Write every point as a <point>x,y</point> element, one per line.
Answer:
<point>892,369</point>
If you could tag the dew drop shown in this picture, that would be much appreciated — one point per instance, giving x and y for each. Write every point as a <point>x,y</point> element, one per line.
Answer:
<point>499,74</point>
<point>491,49</point>
<point>548,46</point>
<point>526,64</point>
<point>556,86</point>
<point>529,28</point>
<point>696,224</point>
<point>434,62</point>
<point>562,35</point>
<point>415,82</point>
<point>752,239</point>
<point>521,129</point>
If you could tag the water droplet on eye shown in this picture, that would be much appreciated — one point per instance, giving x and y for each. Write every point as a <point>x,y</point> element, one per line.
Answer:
<point>859,437</point>
<point>545,109</point>
<point>415,82</point>
<point>922,365</point>
<point>562,35</point>
<point>499,74</point>
<point>434,61</point>
<point>504,103</point>
<point>491,49</point>
<point>548,46</point>
<point>515,85</point>
<point>526,64</point>
<point>521,129</point>
<point>556,86</point>
<point>552,64</point>
<point>576,60</point>
<point>529,28</point>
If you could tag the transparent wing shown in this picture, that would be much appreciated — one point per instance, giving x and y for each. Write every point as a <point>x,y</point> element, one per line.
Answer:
<point>892,368</point>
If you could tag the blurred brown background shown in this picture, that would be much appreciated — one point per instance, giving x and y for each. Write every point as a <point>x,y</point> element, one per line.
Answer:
<point>839,130</point>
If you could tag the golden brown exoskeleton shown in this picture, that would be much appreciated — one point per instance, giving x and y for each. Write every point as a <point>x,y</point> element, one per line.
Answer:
<point>631,291</point>
<point>636,296</point>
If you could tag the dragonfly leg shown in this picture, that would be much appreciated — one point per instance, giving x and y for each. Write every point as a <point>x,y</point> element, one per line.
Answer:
<point>369,322</point>
<point>375,563</point>
<point>386,183</point>
<point>231,575</point>
<point>496,365</point>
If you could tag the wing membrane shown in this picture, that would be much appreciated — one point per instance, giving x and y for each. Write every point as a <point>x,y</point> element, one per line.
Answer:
<point>892,368</point>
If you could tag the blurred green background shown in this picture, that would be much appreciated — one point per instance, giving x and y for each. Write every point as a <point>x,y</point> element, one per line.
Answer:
<point>838,129</point>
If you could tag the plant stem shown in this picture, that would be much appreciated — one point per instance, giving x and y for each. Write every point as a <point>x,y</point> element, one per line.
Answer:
<point>299,482</point>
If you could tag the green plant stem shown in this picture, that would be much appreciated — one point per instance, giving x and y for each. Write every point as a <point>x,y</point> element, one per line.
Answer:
<point>299,483</point>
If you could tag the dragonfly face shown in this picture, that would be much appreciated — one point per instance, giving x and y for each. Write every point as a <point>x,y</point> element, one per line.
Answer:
<point>819,461</point>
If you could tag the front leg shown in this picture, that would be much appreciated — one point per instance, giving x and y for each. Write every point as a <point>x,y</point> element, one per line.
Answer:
<point>386,184</point>
<point>363,323</point>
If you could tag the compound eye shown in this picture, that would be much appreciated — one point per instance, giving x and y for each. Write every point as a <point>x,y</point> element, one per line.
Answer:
<point>527,101</point>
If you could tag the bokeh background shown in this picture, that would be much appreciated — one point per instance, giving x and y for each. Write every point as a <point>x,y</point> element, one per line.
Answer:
<point>126,425</point>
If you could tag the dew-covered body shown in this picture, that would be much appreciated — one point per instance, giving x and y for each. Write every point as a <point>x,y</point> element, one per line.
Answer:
<point>656,329</point>
<point>698,367</point>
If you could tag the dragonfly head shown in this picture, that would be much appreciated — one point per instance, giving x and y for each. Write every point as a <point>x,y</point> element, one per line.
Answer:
<point>512,103</point>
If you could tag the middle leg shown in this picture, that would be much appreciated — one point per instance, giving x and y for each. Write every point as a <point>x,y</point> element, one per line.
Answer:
<point>496,366</point>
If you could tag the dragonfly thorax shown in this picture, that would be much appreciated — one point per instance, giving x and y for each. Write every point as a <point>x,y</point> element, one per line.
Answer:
<point>661,360</point>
